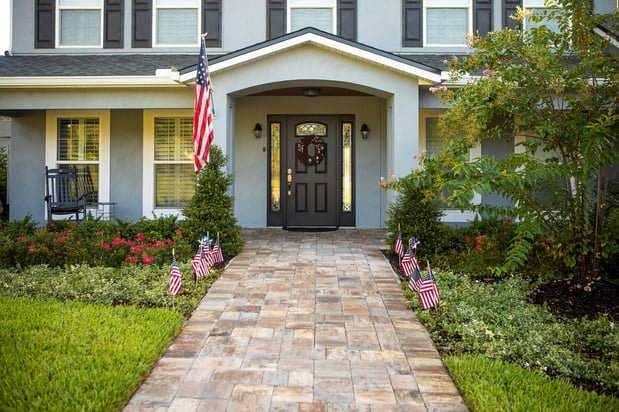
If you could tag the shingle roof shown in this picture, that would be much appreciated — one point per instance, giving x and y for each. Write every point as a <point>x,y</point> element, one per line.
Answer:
<point>91,65</point>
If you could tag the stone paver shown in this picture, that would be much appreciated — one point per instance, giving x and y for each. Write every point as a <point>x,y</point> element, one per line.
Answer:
<point>302,321</point>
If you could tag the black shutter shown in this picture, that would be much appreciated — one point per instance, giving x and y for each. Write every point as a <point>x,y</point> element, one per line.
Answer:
<point>482,16</point>
<point>509,9</point>
<point>211,22</point>
<point>412,29</point>
<point>347,19</point>
<point>142,23</point>
<point>113,20</point>
<point>276,18</point>
<point>45,28</point>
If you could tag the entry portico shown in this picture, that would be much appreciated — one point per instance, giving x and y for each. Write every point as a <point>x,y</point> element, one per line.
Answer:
<point>356,85</point>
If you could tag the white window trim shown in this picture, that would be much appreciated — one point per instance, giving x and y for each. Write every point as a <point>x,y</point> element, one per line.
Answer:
<point>447,4</point>
<point>148,162</point>
<point>311,4</point>
<point>51,143</point>
<point>175,7</point>
<point>59,28</point>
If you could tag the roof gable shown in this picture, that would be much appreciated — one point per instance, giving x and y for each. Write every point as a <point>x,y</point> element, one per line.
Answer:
<point>318,38</point>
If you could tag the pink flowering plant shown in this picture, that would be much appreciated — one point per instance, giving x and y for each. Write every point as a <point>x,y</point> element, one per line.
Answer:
<point>92,243</point>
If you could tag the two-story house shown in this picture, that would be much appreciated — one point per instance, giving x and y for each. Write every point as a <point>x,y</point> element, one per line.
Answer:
<point>314,100</point>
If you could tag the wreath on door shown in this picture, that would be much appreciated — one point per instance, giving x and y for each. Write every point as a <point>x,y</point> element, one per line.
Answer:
<point>310,150</point>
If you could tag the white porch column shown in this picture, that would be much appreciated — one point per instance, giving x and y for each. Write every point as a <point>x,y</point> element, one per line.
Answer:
<point>403,131</point>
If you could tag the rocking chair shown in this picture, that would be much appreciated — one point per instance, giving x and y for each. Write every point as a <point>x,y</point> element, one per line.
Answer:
<point>63,196</point>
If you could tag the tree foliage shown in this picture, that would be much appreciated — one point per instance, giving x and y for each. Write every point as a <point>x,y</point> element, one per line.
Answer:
<point>210,210</point>
<point>555,93</point>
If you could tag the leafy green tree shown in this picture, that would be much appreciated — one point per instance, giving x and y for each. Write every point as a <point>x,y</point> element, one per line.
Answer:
<point>211,207</point>
<point>555,93</point>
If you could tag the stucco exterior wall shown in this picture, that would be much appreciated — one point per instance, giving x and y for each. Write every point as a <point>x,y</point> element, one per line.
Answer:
<point>126,163</point>
<point>27,167</point>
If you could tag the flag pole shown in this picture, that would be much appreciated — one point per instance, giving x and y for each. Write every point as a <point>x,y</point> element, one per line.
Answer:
<point>173,295</point>
<point>399,256</point>
<point>202,39</point>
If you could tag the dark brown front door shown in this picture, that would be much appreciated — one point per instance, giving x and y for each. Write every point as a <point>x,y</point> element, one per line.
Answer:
<point>310,172</point>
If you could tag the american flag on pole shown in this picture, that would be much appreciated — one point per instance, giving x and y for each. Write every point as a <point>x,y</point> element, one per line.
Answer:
<point>175,278</point>
<point>428,293</point>
<point>399,248</point>
<point>415,281</point>
<point>203,112</point>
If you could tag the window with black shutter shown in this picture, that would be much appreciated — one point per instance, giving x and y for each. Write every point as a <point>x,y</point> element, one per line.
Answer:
<point>412,30</point>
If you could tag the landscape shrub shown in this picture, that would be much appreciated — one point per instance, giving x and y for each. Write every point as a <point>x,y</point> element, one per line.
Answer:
<point>210,210</point>
<point>417,216</point>
<point>94,243</point>
<point>496,320</point>
<point>138,285</point>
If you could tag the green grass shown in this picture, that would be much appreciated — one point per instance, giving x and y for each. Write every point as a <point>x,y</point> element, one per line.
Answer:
<point>59,356</point>
<point>491,386</point>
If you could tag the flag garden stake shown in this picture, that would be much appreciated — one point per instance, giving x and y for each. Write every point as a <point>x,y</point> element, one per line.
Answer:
<point>175,279</point>
<point>398,246</point>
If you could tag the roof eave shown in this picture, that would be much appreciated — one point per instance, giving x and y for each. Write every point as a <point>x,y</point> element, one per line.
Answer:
<point>162,78</point>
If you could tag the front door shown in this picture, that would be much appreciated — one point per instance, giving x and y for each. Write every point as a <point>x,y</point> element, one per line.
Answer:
<point>311,171</point>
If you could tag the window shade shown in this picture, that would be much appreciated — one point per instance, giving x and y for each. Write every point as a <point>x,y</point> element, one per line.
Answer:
<point>320,18</point>
<point>80,27</point>
<point>78,139</point>
<point>447,26</point>
<point>173,138</point>
<point>175,184</point>
<point>177,26</point>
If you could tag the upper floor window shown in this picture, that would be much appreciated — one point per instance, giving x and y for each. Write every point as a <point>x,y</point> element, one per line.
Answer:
<point>538,7</point>
<point>447,22</point>
<point>176,22</point>
<point>320,14</point>
<point>80,22</point>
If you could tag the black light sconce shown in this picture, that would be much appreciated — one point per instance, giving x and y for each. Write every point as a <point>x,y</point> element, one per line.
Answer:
<point>258,130</point>
<point>365,130</point>
<point>311,92</point>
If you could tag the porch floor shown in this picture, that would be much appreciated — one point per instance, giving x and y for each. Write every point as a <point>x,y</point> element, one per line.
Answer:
<point>302,321</point>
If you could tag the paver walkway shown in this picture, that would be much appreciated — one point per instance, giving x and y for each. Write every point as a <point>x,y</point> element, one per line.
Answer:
<point>302,322</point>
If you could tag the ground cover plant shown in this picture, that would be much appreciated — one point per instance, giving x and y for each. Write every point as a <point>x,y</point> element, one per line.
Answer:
<point>70,355</point>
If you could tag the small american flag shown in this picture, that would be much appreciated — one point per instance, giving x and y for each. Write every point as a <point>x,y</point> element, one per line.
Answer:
<point>175,278</point>
<point>199,265</point>
<point>203,112</point>
<point>399,249</point>
<point>407,264</point>
<point>428,293</point>
<point>208,256</point>
<point>218,255</point>
<point>414,283</point>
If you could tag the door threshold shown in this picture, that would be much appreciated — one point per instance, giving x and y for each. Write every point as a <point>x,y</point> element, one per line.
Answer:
<point>310,228</point>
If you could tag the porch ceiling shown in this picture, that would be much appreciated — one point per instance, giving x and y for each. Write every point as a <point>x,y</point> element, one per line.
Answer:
<point>300,91</point>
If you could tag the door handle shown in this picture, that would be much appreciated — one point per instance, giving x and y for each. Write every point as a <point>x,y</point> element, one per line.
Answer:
<point>289,180</point>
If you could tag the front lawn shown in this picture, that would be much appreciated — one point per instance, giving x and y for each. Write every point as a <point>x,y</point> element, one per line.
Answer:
<point>60,356</point>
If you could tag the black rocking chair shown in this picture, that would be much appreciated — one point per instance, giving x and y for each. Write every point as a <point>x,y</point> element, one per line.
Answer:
<point>63,196</point>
